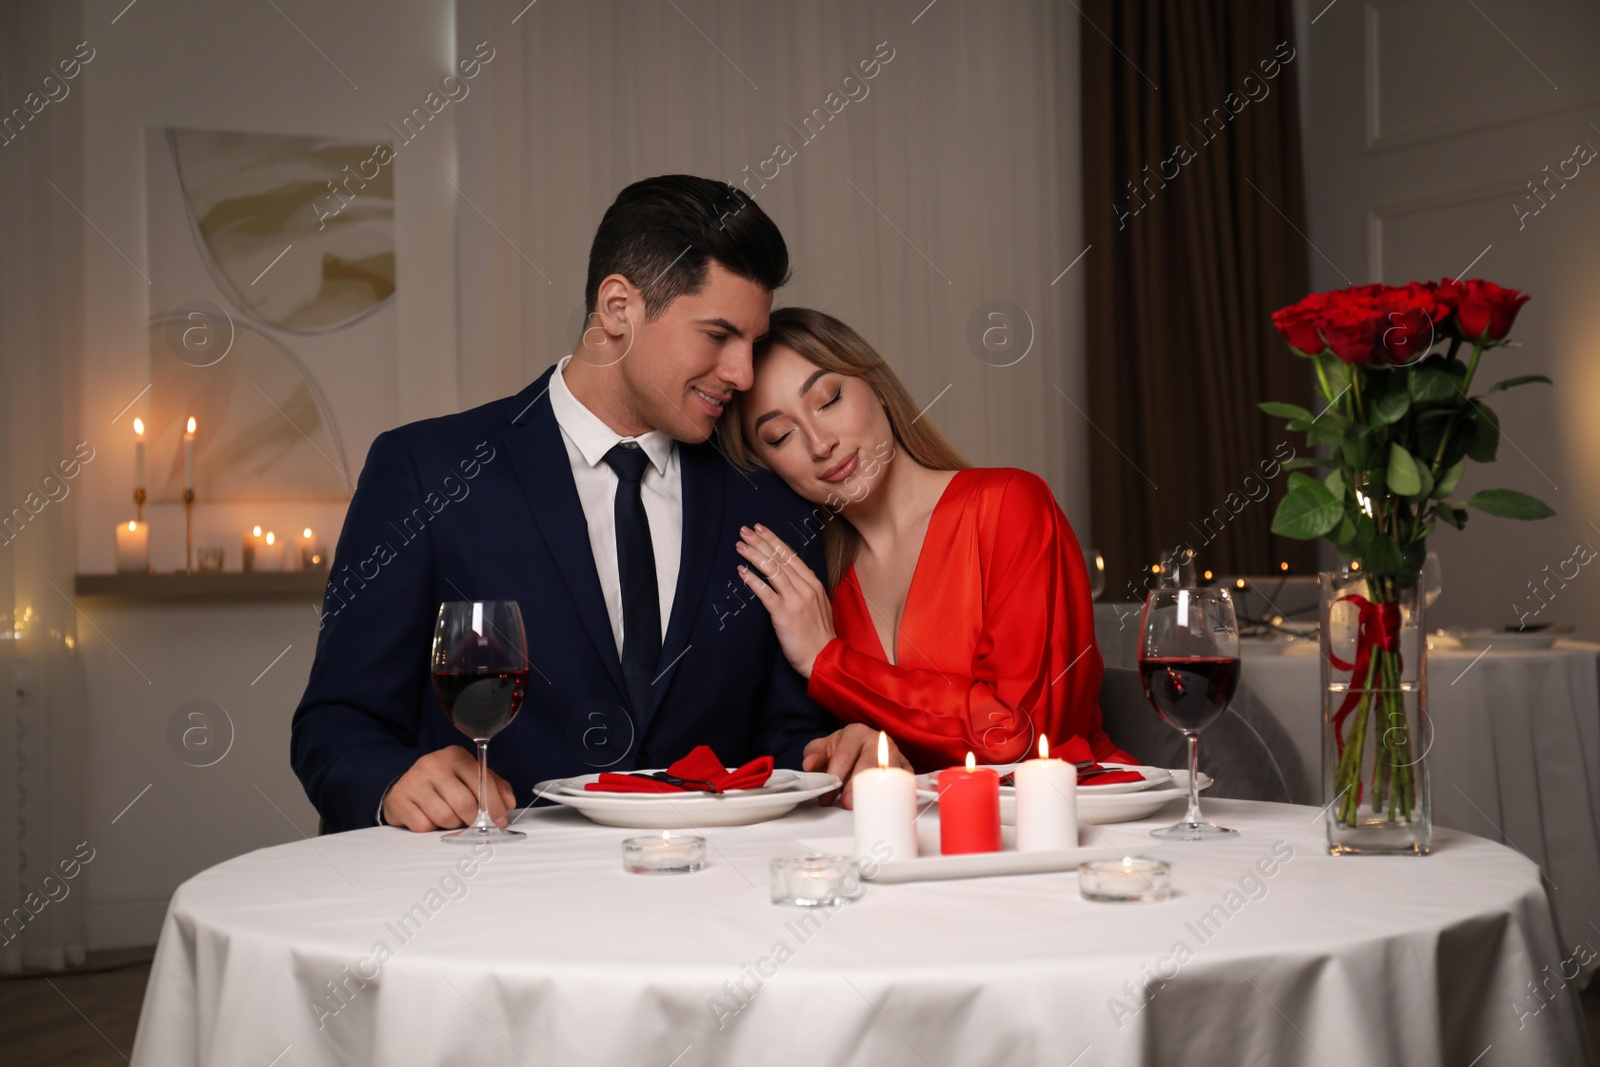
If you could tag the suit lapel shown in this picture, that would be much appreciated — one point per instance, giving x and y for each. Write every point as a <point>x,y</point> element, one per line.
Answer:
<point>533,439</point>
<point>703,489</point>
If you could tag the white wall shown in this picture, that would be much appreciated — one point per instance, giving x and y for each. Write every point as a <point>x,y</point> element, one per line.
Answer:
<point>1426,119</point>
<point>232,66</point>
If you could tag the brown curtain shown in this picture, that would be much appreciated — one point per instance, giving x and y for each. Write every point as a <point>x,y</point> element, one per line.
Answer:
<point>1194,213</point>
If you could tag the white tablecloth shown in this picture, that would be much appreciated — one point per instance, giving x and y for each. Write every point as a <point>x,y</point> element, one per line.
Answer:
<point>1515,756</point>
<point>549,953</point>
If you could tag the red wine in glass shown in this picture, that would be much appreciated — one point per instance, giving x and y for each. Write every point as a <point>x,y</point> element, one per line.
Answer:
<point>1189,667</point>
<point>1189,692</point>
<point>480,703</point>
<point>480,675</point>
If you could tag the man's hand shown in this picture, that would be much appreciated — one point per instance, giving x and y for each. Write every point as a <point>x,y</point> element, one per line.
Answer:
<point>440,792</point>
<point>844,752</point>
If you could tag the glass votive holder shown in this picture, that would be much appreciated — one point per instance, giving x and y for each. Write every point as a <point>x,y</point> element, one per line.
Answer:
<point>209,558</point>
<point>1129,880</point>
<point>664,853</point>
<point>815,881</point>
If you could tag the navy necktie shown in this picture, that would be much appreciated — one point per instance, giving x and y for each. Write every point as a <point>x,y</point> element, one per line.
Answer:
<point>636,565</point>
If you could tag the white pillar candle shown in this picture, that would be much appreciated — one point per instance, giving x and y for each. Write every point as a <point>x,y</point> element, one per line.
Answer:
<point>269,553</point>
<point>133,547</point>
<point>188,455</point>
<point>885,802</point>
<point>1047,797</point>
<point>138,454</point>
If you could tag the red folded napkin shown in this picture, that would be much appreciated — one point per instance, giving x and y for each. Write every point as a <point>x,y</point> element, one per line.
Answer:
<point>700,765</point>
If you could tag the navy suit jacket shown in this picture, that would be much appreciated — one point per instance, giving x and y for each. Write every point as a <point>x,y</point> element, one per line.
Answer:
<point>482,506</point>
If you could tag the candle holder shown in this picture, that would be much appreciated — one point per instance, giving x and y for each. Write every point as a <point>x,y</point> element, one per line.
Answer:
<point>138,503</point>
<point>1130,880</point>
<point>666,853</point>
<point>815,881</point>
<point>188,531</point>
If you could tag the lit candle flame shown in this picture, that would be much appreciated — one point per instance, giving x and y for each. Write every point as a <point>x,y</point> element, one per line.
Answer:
<point>256,532</point>
<point>971,761</point>
<point>191,424</point>
<point>1044,747</point>
<point>132,526</point>
<point>138,427</point>
<point>1127,865</point>
<point>272,538</point>
<point>1208,576</point>
<point>1239,582</point>
<point>883,750</point>
<point>306,533</point>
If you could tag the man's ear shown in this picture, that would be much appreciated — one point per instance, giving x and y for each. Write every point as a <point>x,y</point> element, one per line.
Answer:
<point>614,299</point>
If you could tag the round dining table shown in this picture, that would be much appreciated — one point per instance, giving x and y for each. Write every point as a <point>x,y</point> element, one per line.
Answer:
<point>382,946</point>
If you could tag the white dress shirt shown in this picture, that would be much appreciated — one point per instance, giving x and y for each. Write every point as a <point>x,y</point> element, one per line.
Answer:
<point>588,439</point>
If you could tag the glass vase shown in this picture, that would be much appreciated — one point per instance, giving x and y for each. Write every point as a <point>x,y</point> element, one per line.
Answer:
<point>1375,727</point>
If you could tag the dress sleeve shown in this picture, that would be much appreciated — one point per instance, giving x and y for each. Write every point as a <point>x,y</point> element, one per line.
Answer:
<point>1034,669</point>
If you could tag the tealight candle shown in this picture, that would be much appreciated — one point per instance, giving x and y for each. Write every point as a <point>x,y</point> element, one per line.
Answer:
<point>969,809</point>
<point>1130,880</point>
<point>309,554</point>
<point>885,802</point>
<point>1047,795</point>
<point>669,853</point>
<point>133,547</point>
<point>815,881</point>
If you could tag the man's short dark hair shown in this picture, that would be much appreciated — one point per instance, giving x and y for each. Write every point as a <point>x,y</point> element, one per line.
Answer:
<point>661,234</point>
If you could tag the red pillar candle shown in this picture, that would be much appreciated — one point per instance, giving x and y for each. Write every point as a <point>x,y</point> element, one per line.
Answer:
<point>969,809</point>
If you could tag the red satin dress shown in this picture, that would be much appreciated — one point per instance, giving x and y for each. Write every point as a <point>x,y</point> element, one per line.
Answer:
<point>996,642</point>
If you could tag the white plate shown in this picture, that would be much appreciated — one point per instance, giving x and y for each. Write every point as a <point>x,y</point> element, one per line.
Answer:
<point>1508,640</point>
<point>780,781</point>
<point>930,865</point>
<point>678,811</point>
<point>1153,777</point>
<point>1105,807</point>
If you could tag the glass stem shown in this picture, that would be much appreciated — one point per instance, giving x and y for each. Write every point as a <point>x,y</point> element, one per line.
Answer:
<point>484,822</point>
<point>1193,818</point>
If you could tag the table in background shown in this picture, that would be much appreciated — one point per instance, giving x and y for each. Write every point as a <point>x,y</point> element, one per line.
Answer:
<point>1515,755</point>
<point>550,953</point>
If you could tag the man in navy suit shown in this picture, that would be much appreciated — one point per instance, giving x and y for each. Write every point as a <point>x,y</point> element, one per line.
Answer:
<point>595,499</point>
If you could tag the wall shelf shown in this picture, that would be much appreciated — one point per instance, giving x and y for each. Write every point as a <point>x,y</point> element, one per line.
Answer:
<point>212,586</point>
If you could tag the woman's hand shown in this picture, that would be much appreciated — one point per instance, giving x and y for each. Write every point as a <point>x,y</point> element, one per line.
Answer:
<point>796,599</point>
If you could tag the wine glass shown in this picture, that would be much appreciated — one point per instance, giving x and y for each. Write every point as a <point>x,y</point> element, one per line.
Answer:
<point>480,674</point>
<point>1189,667</point>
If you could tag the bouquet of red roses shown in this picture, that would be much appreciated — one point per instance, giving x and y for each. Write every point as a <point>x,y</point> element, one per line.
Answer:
<point>1401,421</point>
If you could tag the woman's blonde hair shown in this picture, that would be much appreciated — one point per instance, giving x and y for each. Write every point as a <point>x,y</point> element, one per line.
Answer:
<point>833,346</point>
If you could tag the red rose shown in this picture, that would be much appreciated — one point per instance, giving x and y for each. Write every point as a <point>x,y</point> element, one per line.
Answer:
<point>1301,323</point>
<point>1353,324</point>
<point>1411,315</point>
<point>1484,310</point>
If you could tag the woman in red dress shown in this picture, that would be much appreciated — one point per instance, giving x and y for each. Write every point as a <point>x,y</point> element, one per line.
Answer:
<point>955,614</point>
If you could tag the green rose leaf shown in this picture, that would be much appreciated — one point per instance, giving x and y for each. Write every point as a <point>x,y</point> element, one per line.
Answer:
<point>1521,379</point>
<point>1403,477</point>
<point>1300,463</point>
<point>1485,435</point>
<point>1430,385</point>
<point>1285,411</point>
<point>1307,511</point>
<point>1390,407</point>
<point>1382,557</point>
<point>1510,504</point>
<point>1326,431</point>
<point>1426,474</point>
<point>1449,479</point>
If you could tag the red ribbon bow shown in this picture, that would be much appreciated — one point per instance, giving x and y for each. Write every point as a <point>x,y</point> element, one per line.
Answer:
<point>1379,629</point>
